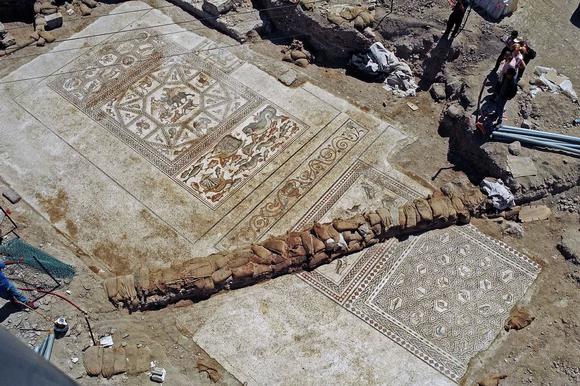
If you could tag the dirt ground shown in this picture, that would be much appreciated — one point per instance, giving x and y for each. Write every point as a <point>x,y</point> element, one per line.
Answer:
<point>544,353</point>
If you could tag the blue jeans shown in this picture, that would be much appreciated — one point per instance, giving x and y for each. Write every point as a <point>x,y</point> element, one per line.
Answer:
<point>11,292</point>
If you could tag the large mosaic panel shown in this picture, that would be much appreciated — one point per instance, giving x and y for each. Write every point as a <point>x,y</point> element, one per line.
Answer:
<point>443,295</point>
<point>181,111</point>
<point>285,195</point>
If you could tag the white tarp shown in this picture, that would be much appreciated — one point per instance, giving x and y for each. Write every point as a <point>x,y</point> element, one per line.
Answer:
<point>378,63</point>
<point>548,79</point>
<point>400,78</point>
<point>496,8</point>
<point>500,196</point>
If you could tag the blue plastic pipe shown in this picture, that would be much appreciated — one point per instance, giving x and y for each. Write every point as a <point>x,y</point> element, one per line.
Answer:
<point>48,350</point>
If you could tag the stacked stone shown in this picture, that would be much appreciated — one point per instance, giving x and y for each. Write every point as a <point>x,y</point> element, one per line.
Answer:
<point>307,249</point>
<point>297,54</point>
<point>132,359</point>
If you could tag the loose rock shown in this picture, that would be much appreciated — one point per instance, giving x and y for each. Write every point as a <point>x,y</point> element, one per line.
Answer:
<point>569,245</point>
<point>288,77</point>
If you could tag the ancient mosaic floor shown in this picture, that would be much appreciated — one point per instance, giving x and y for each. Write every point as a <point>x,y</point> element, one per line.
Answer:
<point>157,144</point>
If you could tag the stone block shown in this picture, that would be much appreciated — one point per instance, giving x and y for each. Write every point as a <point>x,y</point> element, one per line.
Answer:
<point>424,210</point>
<point>351,236</point>
<point>402,217</point>
<point>569,245</point>
<point>437,92</point>
<point>53,21</point>
<point>262,270</point>
<point>410,215</point>
<point>237,261</point>
<point>276,245</point>
<point>318,245</point>
<point>307,242</point>
<point>534,213</point>
<point>242,272</point>
<point>221,275</point>
<point>318,259</point>
<point>345,225</point>
<point>46,36</point>
<point>288,77</point>
<point>217,7</point>
<point>262,253</point>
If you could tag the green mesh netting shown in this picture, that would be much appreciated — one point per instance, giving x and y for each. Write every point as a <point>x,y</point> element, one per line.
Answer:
<point>18,248</point>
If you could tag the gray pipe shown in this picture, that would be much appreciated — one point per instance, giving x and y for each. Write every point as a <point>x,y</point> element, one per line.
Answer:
<point>537,142</point>
<point>545,140</point>
<point>49,343</point>
<point>40,349</point>
<point>544,134</point>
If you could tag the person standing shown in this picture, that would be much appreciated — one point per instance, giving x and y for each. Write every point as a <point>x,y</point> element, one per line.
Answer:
<point>515,61</point>
<point>8,291</point>
<point>509,42</point>
<point>528,53</point>
<point>455,19</point>
<point>507,90</point>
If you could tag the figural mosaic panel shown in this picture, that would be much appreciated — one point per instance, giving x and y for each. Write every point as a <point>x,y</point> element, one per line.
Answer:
<point>443,295</point>
<point>181,111</point>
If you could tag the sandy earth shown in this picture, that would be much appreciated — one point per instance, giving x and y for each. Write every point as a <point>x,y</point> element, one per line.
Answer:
<point>545,353</point>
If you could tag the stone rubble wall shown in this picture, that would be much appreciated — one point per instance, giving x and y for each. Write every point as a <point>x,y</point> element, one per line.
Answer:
<point>318,244</point>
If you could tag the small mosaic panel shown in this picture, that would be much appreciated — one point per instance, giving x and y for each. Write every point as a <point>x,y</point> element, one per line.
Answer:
<point>360,184</point>
<point>182,112</point>
<point>443,295</point>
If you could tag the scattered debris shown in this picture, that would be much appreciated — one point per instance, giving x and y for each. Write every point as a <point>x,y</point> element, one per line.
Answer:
<point>500,195</point>
<point>548,79</point>
<point>106,341</point>
<point>211,367</point>
<point>491,380</point>
<point>158,374</point>
<point>512,228</point>
<point>569,245</point>
<point>534,213</point>
<point>519,318</point>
